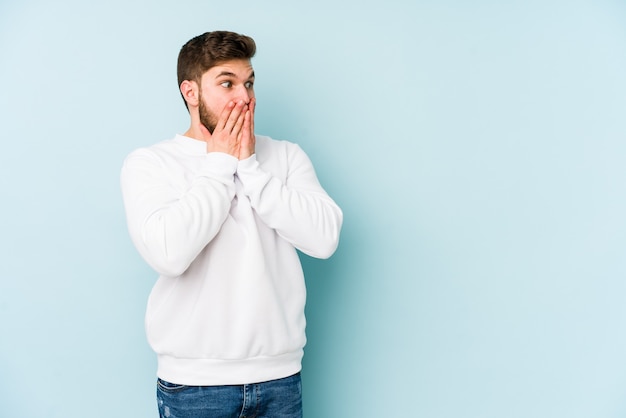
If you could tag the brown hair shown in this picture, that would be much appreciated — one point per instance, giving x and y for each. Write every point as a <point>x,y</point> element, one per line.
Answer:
<point>205,51</point>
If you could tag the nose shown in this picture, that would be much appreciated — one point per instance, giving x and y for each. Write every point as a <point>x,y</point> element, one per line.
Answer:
<point>244,94</point>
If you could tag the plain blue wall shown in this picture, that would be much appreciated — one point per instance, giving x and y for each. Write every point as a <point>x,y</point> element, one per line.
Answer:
<point>478,150</point>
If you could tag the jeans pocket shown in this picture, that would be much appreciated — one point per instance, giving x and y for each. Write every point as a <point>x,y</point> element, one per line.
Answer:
<point>168,387</point>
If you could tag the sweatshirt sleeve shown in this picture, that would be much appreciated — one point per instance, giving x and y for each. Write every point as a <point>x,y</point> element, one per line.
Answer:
<point>298,209</point>
<point>169,225</point>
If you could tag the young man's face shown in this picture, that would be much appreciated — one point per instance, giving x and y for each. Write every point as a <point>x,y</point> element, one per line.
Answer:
<point>229,81</point>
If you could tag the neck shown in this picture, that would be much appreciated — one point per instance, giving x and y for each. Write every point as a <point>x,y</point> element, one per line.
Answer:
<point>197,130</point>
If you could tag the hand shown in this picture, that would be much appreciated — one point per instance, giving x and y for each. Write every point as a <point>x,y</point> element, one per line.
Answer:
<point>247,142</point>
<point>230,129</point>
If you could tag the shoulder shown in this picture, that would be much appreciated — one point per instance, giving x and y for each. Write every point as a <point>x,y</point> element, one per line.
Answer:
<point>178,147</point>
<point>161,146</point>
<point>280,156</point>
<point>158,155</point>
<point>270,146</point>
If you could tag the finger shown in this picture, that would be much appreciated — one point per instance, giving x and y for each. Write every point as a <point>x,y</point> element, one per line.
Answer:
<point>246,149</point>
<point>238,124</point>
<point>252,104</point>
<point>252,107</point>
<point>224,115</point>
<point>244,133</point>
<point>235,115</point>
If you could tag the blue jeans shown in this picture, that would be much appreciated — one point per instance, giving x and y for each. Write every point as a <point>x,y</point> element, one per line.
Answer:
<point>280,398</point>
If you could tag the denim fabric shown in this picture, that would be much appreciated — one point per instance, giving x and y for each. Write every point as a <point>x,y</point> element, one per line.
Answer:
<point>280,398</point>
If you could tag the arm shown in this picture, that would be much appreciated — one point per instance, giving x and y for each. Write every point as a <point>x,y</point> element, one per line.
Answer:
<point>170,226</point>
<point>299,209</point>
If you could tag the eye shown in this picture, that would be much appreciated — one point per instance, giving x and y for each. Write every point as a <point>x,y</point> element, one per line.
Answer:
<point>226,84</point>
<point>249,84</point>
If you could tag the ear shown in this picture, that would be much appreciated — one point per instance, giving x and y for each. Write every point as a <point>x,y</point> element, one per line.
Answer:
<point>191,92</point>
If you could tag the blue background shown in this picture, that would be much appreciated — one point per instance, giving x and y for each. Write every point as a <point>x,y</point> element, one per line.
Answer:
<point>477,149</point>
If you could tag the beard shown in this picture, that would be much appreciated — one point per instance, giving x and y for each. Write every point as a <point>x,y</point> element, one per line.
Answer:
<point>207,118</point>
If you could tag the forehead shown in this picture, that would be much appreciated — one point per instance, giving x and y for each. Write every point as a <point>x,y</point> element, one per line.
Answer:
<point>239,68</point>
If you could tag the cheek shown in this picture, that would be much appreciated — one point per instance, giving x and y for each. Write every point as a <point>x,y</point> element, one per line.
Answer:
<point>215,105</point>
<point>219,102</point>
<point>215,99</point>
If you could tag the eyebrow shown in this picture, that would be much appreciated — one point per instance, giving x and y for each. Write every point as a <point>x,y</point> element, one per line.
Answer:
<point>229,74</point>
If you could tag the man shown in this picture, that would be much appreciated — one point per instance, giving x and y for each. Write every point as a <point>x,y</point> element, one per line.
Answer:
<point>219,213</point>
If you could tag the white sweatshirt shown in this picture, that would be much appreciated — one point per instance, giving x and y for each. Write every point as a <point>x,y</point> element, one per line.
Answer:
<point>228,307</point>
